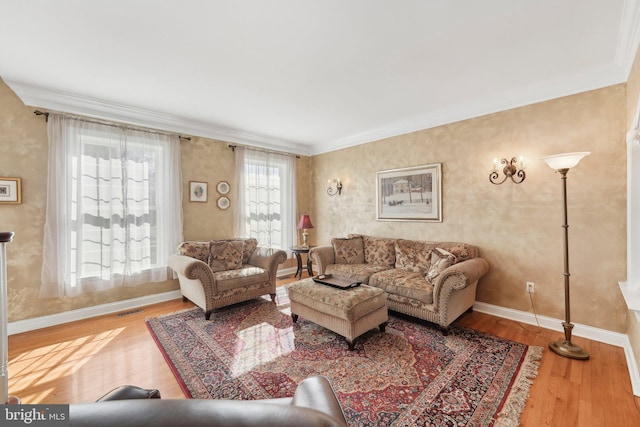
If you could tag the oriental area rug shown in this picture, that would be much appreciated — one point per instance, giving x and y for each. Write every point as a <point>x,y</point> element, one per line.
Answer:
<point>410,375</point>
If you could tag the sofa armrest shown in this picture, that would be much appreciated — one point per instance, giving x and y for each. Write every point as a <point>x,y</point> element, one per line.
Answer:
<point>316,393</point>
<point>322,256</point>
<point>268,259</point>
<point>458,277</point>
<point>193,269</point>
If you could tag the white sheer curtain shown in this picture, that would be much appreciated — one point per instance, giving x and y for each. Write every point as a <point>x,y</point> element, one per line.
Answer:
<point>114,207</point>
<point>266,189</point>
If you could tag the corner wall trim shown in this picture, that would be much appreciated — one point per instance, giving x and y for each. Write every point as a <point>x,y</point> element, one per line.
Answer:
<point>584,331</point>
<point>20,326</point>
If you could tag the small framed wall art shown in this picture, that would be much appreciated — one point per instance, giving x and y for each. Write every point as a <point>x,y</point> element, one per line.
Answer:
<point>11,191</point>
<point>197,191</point>
<point>223,187</point>
<point>223,202</point>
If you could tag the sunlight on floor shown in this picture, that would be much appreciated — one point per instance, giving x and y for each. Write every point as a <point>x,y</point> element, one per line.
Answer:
<point>262,343</point>
<point>30,372</point>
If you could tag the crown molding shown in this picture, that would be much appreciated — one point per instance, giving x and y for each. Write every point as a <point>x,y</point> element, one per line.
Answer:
<point>540,92</point>
<point>90,107</point>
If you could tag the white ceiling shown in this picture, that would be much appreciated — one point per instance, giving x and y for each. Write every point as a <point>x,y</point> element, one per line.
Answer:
<point>309,76</point>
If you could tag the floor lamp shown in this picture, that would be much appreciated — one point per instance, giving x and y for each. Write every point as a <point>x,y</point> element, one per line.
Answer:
<point>562,163</point>
<point>5,237</point>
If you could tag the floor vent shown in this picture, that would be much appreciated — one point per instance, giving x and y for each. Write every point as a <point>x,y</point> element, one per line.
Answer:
<point>126,313</point>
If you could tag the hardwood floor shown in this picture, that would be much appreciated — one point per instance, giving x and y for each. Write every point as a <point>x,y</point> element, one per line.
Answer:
<point>81,361</point>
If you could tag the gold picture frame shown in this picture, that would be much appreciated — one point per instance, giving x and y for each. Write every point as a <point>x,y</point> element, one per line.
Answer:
<point>10,191</point>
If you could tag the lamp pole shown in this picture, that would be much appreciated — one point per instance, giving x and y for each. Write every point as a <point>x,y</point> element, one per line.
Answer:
<point>562,163</point>
<point>566,347</point>
<point>5,237</point>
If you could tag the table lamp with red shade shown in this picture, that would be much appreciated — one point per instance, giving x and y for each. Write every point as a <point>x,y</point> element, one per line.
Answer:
<point>304,224</point>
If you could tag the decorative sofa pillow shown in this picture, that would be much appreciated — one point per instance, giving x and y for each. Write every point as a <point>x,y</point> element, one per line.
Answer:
<point>440,260</point>
<point>349,250</point>
<point>197,250</point>
<point>462,251</point>
<point>226,255</point>
<point>250,245</point>
<point>379,251</point>
<point>412,255</point>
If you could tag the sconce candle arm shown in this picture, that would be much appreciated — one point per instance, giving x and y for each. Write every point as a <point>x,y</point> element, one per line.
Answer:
<point>510,170</point>
<point>332,191</point>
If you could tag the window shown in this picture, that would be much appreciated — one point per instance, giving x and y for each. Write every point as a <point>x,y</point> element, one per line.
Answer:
<point>266,193</point>
<point>113,207</point>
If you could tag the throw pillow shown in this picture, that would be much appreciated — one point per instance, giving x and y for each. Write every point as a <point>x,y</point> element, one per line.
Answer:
<point>348,250</point>
<point>379,251</point>
<point>226,255</point>
<point>462,252</point>
<point>197,250</point>
<point>440,260</point>
<point>250,245</point>
<point>413,255</point>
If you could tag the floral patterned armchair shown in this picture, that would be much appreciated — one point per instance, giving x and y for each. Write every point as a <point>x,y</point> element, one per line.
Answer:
<point>219,273</point>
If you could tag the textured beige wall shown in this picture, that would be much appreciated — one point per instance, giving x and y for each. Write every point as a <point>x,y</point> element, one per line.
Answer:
<point>209,161</point>
<point>517,227</point>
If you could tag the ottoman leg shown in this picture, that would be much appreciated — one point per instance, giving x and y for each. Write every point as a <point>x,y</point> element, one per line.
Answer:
<point>383,326</point>
<point>294,317</point>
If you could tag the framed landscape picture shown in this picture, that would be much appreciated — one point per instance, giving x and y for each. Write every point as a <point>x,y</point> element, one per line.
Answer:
<point>11,191</point>
<point>410,194</point>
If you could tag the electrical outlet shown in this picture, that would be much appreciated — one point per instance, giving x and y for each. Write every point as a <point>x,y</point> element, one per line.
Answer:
<point>530,287</point>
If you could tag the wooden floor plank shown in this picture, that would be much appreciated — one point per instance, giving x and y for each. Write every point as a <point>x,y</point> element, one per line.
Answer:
<point>81,361</point>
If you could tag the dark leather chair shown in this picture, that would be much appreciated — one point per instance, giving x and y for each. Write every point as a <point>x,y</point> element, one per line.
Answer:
<point>313,404</point>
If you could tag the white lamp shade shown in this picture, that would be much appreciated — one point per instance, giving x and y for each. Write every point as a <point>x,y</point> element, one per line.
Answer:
<point>564,161</point>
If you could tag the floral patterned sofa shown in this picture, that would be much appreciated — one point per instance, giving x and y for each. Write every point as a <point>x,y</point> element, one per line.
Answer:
<point>433,281</point>
<point>219,273</point>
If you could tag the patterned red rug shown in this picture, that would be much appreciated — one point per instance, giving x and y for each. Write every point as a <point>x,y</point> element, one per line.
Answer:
<point>409,375</point>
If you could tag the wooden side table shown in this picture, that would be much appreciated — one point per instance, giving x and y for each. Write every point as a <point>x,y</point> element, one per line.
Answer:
<point>297,250</point>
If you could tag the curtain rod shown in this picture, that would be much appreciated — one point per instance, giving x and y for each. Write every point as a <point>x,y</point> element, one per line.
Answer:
<point>264,150</point>
<point>82,119</point>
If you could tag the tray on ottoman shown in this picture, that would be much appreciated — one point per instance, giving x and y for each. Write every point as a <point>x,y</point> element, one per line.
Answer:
<point>349,312</point>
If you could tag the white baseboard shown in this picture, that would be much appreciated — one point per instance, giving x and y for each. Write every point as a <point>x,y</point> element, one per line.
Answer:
<point>85,313</point>
<point>20,326</point>
<point>286,271</point>
<point>584,331</point>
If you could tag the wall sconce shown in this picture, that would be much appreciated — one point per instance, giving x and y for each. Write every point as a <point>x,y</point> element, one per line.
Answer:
<point>335,187</point>
<point>511,168</point>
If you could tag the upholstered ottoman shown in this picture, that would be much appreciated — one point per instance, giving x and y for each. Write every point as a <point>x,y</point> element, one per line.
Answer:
<point>348,312</point>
